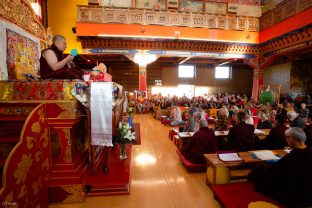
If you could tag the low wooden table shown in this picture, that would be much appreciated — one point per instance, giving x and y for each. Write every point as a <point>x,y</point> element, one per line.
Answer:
<point>184,137</point>
<point>214,162</point>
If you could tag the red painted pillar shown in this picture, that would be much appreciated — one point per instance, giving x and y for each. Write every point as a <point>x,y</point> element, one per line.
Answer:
<point>142,78</point>
<point>259,64</point>
<point>257,82</point>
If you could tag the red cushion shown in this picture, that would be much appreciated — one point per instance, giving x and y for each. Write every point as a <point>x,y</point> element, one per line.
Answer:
<point>192,167</point>
<point>239,195</point>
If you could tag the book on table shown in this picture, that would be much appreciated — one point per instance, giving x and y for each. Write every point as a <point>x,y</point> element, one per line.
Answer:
<point>229,156</point>
<point>264,155</point>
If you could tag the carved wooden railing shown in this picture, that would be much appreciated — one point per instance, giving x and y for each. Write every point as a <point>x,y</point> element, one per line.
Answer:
<point>98,14</point>
<point>282,11</point>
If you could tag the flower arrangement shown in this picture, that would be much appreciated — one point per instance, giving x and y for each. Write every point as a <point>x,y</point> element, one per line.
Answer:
<point>126,136</point>
<point>127,133</point>
<point>130,109</point>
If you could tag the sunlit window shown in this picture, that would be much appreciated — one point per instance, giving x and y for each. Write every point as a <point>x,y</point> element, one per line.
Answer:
<point>223,72</point>
<point>201,91</point>
<point>186,71</point>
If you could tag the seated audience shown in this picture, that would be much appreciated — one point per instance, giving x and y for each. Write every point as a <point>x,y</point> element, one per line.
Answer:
<point>276,138</point>
<point>295,120</point>
<point>241,136</point>
<point>308,132</point>
<point>189,124</point>
<point>264,122</point>
<point>222,122</point>
<point>289,180</point>
<point>202,142</point>
<point>53,64</point>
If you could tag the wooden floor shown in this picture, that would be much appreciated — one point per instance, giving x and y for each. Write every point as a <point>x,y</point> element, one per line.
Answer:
<point>158,179</point>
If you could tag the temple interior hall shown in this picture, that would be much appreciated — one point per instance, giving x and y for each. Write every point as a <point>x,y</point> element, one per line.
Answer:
<point>155,103</point>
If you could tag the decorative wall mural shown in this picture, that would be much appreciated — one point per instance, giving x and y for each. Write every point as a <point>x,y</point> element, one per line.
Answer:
<point>191,6</point>
<point>278,74</point>
<point>301,77</point>
<point>216,8</point>
<point>22,54</point>
<point>151,4</point>
<point>115,3</point>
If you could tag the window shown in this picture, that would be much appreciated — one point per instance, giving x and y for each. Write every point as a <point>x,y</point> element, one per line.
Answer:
<point>186,71</point>
<point>223,72</point>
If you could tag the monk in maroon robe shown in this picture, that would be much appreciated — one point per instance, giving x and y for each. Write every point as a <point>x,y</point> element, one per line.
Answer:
<point>308,132</point>
<point>202,142</point>
<point>241,136</point>
<point>289,180</point>
<point>53,65</point>
<point>276,138</point>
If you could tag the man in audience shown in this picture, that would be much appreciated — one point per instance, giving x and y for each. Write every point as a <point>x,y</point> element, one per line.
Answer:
<point>289,180</point>
<point>264,122</point>
<point>241,136</point>
<point>304,112</point>
<point>276,138</point>
<point>295,120</point>
<point>308,131</point>
<point>202,142</point>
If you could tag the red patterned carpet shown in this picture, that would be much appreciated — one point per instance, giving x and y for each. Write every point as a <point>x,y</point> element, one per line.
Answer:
<point>117,180</point>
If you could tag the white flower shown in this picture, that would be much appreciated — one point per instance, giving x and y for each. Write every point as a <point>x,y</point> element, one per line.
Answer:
<point>130,136</point>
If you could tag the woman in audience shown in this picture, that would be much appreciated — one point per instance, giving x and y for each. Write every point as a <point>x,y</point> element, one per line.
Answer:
<point>264,122</point>
<point>197,117</point>
<point>190,123</point>
<point>288,107</point>
<point>177,117</point>
<point>222,122</point>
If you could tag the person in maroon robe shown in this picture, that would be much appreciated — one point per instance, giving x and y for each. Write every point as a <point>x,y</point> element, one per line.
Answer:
<point>241,136</point>
<point>308,132</point>
<point>53,65</point>
<point>276,138</point>
<point>202,142</point>
<point>288,180</point>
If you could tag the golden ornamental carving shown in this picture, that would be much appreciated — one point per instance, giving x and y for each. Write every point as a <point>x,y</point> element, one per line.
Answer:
<point>22,192</point>
<point>45,138</point>
<point>35,128</point>
<point>21,13</point>
<point>23,166</point>
<point>70,110</point>
<point>29,140</point>
<point>77,194</point>
<point>37,186</point>
<point>45,165</point>
<point>67,154</point>
<point>38,156</point>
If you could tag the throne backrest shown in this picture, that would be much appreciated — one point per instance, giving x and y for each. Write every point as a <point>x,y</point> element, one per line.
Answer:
<point>21,41</point>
